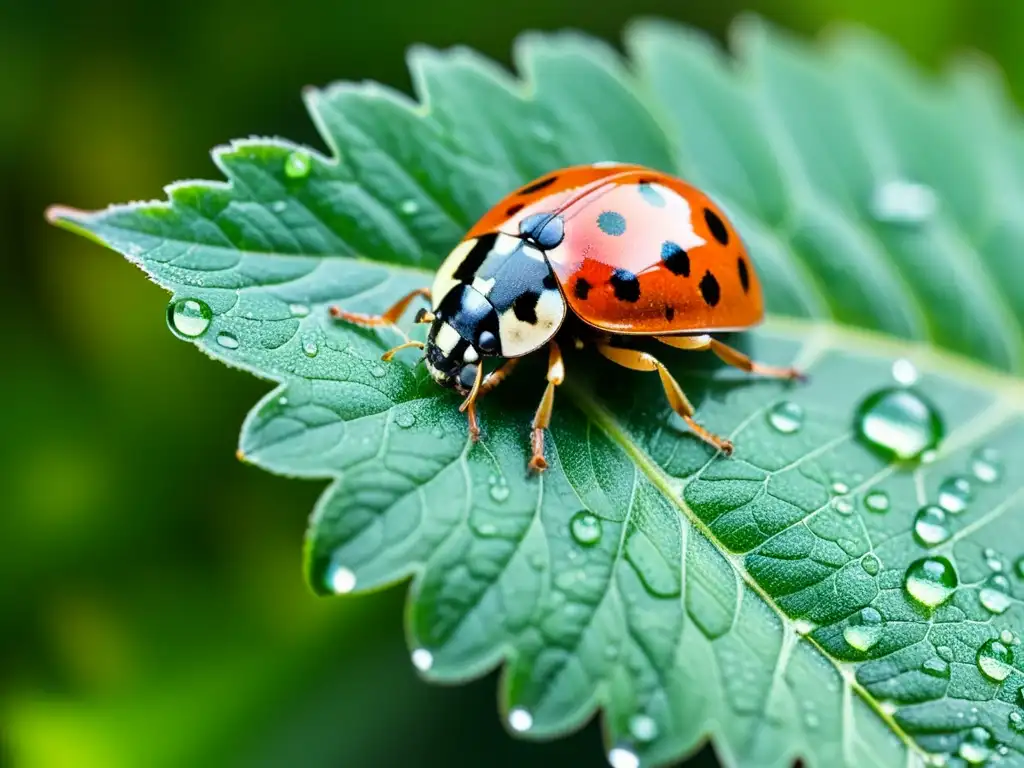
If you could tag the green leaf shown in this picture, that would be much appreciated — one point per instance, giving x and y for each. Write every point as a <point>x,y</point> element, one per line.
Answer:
<point>760,600</point>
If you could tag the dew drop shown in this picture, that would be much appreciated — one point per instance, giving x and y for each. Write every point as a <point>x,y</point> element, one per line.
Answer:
<point>936,667</point>
<point>620,757</point>
<point>986,465</point>
<point>409,207</point>
<point>310,348</point>
<point>898,423</point>
<point>1008,638</point>
<point>341,580</point>
<point>839,487</point>
<point>786,417</point>
<point>487,530</point>
<point>930,526</point>
<point>585,528</point>
<point>900,201</point>
<point>870,564</point>
<point>422,659</point>
<point>877,501</point>
<point>803,626</point>
<point>954,493</point>
<point>537,561</point>
<point>298,310</point>
<point>842,505</point>
<point>499,490</point>
<point>378,372</point>
<point>931,581</point>
<point>405,420</point>
<point>992,559</point>
<point>643,728</point>
<point>1016,721</point>
<point>865,630</point>
<point>904,372</point>
<point>976,746</point>
<point>189,318</point>
<point>995,660</point>
<point>227,340</point>
<point>945,652</point>
<point>278,206</point>
<point>520,720</point>
<point>298,165</point>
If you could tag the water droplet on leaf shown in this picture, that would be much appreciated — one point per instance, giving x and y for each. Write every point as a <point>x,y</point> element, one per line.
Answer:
<point>310,348</point>
<point>995,594</point>
<point>986,465</point>
<point>189,318</point>
<point>499,491</point>
<point>870,564</point>
<point>931,581</point>
<point>378,372</point>
<point>839,487</point>
<point>643,728</point>
<point>520,720</point>
<point>585,528</point>
<point>995,660</point>
<point>842,505</point>
<point>900,201</point>
<point>786,417</point>
<point>877,501</point>
<point>298,310</point>
<point>935,667</point>
<point>298,165</point>
<point>904,372</point>
<point>1016,721</point>
<point>803,626</point>
<point>620,757</point>
<point>341,580</point>
<point>405,420</point>
<point>898,423</point>
<point>227,340</point>
<point>976,746</point>
<point>422,659</point>
<point>409,207</point>
<point>930,526</point>
<point>954,493</point>
<point>278,206</point>
<point>865,630</point>
<point>945,652</point>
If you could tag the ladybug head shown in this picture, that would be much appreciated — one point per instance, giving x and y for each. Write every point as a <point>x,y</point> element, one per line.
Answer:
<point>453,360</point>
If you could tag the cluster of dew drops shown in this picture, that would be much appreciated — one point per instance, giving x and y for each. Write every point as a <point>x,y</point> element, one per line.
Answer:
<point>904,426</point>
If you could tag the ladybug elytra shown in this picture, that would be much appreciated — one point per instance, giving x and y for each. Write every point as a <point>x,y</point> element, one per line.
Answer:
<point>627,250</point>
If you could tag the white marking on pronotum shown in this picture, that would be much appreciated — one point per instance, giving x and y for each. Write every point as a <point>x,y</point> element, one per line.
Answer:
<point>446,338</point>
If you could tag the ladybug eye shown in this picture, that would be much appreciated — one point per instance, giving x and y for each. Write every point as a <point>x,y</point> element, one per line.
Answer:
<point>487,342</point>
<point>467,376</point>
<point>545,229</point>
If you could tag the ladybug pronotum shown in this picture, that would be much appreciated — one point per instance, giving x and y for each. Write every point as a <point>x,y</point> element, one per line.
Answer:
<point>626,250</point>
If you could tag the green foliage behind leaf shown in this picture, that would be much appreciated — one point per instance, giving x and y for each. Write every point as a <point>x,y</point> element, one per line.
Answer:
<point>760,600</point>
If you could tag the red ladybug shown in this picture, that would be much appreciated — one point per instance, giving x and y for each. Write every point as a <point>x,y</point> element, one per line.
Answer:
<point>627,250</point>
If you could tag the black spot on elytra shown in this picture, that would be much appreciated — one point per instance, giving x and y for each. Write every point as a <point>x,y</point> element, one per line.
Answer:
<point>549,281</point>
<point>676,259</point>
<point>581,288</point>
<point>716,226</point>
<point>525,307</point>
<point>537,186</point>
<point>670,312</point>
<point>744,274</point>
<point>514,209</point>
<point>709,289</point>
<point>467,270</point>
<point>625,284</point>
<point>650,194</point>
<point>612,223</point>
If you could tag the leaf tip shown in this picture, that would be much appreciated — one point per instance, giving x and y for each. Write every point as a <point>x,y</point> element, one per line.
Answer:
<point>73,220</point>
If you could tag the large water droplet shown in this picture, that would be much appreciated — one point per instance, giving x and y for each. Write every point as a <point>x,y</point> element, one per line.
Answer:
<point>298,165</point>
<point>877,501</point>
<point>898,423</point>
<point>422,659</point>
<point>643,728</point>
<point>520,720</point>
<point>621,757</point>
<point>904,372</point>
<point>987,465</point>
<point>995,594</point>
<point>954,493</point>
<point>900,201</point>
<point>310,348</point>
<point>227,340</point>
<point>995,660</point>
<point>405,420</point>
<point>585,528</point>
<point>931,581</point>
<point>936,667</point>
<point>341,580</point>
<point>378,372</point>
<point>930,526</point>
<point>189,318</point>
<point>786,417</point>
<point>976,746</point>
<point>864,630</point>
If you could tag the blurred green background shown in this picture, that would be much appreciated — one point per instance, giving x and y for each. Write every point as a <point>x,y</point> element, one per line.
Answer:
<point>154,611</point>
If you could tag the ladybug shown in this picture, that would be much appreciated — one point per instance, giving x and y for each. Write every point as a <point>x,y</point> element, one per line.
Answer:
<point>624,249</point>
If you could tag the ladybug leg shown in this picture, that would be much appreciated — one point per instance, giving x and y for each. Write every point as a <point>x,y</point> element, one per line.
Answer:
<point>469,405</point>
<point>386,357</point>
<point>495,377</point>
<point>642,361</point>
<point>731,356</point>
<point>541,420</point>
<point>390,316</point>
